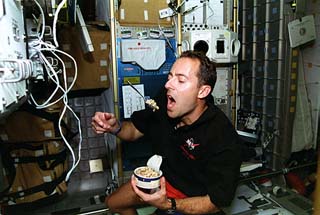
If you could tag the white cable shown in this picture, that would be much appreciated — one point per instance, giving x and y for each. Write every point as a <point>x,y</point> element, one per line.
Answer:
<point>65,101</point>
<point>43,20</point>
<point>56,80</point>
<point>46,103</point>
<point>79,146</point>
<point>75,66</point>
<point>167,40</point>
<point>65,89</point>
<point>55,20</point>
<point>39,46</point>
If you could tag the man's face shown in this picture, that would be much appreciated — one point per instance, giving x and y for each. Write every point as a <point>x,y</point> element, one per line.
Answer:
<point>183,89</point>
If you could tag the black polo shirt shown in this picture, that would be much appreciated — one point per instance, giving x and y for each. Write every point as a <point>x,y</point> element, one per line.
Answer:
<point>198,159</point>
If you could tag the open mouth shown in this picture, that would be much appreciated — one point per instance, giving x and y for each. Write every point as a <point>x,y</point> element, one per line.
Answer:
<point>171,102</point>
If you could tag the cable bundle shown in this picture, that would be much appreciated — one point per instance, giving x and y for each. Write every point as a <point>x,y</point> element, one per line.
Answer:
<point>40,51</point>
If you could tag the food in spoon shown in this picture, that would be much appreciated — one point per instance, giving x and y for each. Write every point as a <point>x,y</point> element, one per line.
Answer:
<point>152,104</point>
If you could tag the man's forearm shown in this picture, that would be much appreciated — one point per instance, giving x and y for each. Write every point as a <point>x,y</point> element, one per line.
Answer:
<point>128,132</point>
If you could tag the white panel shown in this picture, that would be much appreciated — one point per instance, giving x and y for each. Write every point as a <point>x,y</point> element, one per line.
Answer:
<point>223,45</point>
<point>220,91</point>
<point>149,54</point>
<point>12,47</point>
<point>311,66</point>
<point>12,29</point>
<point>301,31</point>
<point>132,101</point>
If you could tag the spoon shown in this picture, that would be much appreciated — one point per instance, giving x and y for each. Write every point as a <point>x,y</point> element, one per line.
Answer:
<point>154,162</point>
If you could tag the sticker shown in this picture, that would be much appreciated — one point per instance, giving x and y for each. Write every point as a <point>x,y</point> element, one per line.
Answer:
<point>122,14</point>
<point>96,165</point>
<point>103,78</point>
<point>38,153</point>
<point>47,133</point>
<point>103,63</point>
<point>66,47</point>
<point>47,178</point>
<point>70,79</point>
<point>103,46</point>
<point>146,15</point>
<point>68,65</point>
<point>56,144</point>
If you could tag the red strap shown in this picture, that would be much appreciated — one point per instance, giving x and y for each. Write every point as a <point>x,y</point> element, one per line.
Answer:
<point>173,192</point>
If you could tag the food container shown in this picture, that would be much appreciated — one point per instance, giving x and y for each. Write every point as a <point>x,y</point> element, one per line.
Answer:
<point>147,178</point>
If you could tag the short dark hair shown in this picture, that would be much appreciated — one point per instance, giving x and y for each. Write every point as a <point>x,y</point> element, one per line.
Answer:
<point>207,72</point>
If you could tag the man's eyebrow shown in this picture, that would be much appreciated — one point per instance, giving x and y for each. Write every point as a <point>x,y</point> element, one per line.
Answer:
<point>182,75</point>
<point>178,74</point>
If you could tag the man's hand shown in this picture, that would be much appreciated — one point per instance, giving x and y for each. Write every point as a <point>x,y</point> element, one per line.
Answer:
<point>104,122</point>
<point>157,199</point>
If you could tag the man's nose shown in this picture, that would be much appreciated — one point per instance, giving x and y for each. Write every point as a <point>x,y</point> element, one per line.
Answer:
<point>168,84</point>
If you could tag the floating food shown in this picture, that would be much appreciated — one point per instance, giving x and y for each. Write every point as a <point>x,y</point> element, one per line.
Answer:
<point>152,104</point>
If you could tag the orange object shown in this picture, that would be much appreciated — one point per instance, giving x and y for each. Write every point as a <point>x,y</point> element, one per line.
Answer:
<point>295,182</point>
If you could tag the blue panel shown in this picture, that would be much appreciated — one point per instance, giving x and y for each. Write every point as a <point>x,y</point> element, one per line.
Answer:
<point>153,80</point>
<point>136,154</point>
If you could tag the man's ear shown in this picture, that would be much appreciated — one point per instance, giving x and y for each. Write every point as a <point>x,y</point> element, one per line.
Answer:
<point>204,91</point>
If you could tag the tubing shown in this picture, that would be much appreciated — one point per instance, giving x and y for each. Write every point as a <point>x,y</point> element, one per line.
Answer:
<point>115,80</point>
<point>275,173</point>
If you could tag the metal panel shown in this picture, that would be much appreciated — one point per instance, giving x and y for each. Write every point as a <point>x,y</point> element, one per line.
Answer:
<point>258,104</point>
<point>272,88</point>
<point>248,51</point>
<point>246,102</point>
<point>247,4</point>
<point>273,9</point>
<point>272,49</point>
<point>259,86</point>
<point>272,67</point>
<point>259,53</point>
<point>271,106</point>
<point>260,13</point>
<point>247,35</point>
<point>259,69</point>
<point>269,123</point>
<point>248,15</point>
<point>273,30</point>
<point>261,31</point>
